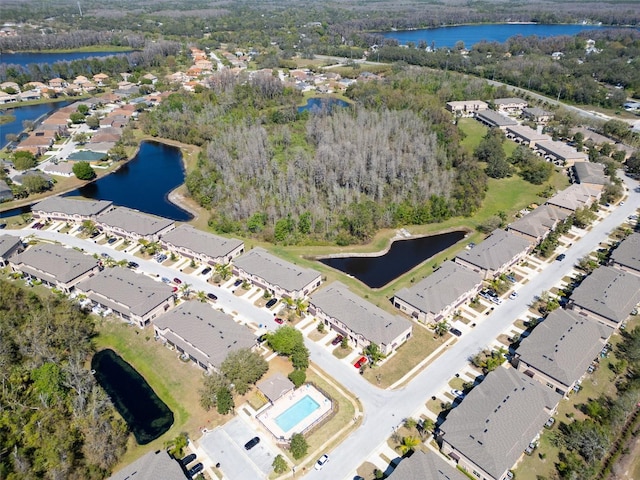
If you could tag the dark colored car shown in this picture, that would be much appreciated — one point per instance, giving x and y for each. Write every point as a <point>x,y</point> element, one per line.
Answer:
<point>455,331</point>
<point>205,271</point>
<point>196,469</point>
<point>211,296</point>
<point>252,443</point>
<point>271,302</point>
<point>112,240</point>
<point>336,340</point>
<point>561,257</point>
<point>279,321</point>
<point>188,459</point>
<point>133,265</point>
<point>2,225</point>
<point>177,280</point>
<point>94,234</point>
<point>237,283</point>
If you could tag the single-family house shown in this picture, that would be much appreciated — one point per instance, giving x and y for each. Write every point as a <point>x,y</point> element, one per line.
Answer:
<point>203,334</point>
<point>133,224</point>
<point>627,256</point>
<point>359,320</point>
<point>69,209</point>
<point>133,297</point>
<point>425,465</point>
<point>101,79</point>
<point>536,225</point>
<point>495,254</point>
<point>466,108</point>
<point>560,349</point>
<point>609,295</point>
<point>488,432</point>
<point>275,275</point>
<point>54,265</point>
<point>153,465</point>
<point>202,246</point>
<point>438,295</point>
<point>9,245</point>
<point>510,105</point>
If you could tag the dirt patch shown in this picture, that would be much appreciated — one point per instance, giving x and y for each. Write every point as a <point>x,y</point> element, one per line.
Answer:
<point>628,465</point>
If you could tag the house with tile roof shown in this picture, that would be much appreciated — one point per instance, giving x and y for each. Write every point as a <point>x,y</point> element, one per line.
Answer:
<point>560,349</point>
<point>439,294</point>
<point>359,320</point>
<point>488,432</point>
<point>203,334</point>
<point>277,276</point>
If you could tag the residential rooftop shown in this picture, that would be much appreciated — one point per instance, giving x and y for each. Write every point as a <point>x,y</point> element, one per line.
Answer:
<point>495,118</point>
<point>564,345</point>
<point>589,172</point>
<point>628,252</point>
<point>275,271</point>
<point>609,293</point>
<point>152,466</point>
<point>495,250</point>
<point>360,316</point>
<point>134,221</point>
<point>427,465</point>
<point>201,242</point>
<point>203,332</point>
<point>54,262</point>
<point>573,197</point>
<point>8,243</point>
<point>120,287</point>
<point>71,206</point>
<point>441,288</point>
<point>538,222</point>
<point>496,421</point>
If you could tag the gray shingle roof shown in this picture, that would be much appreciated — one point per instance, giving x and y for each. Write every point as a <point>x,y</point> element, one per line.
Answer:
<point>359,315</point>
<point>495,118</point>
<point>71,206</point>
<point>275,386</point>
<point>539,222</point>
<point>628,252</point>
<point>588,172</point>
<point>5,191</point>
<point>561,150</point>
<point>508,100</point>
<point>495,250</point>
<point>498,418</point>
<point>152,466</point>
<point>126,290</point>
<point>608,292</point>
<point>564,345</point>
<point>536,112</point>
<point>426,466</point>
<point>8,243</point>
<point>207,334</point>
<point>275,271</point>
<point>201,242</point>
<point>57,262</point>
<point>573,197</point>
<point>527,133</point>
<point>134,221</point>
<point>439,289</point>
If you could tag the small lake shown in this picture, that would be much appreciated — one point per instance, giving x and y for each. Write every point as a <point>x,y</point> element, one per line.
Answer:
<point>143,183</point>
<point>29,113</point>
<point>146,414</point>
<point>26,58</point>
<point>318,104</point>
<point>403,255</point>
<point>472,34</point>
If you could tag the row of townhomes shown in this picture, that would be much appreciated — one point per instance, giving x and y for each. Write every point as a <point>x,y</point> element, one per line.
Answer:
<point>489,431</point>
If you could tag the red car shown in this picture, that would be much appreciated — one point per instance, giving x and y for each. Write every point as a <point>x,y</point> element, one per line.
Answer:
<point>362,361</point>
<point>177,280</point>
<point>279,321</point>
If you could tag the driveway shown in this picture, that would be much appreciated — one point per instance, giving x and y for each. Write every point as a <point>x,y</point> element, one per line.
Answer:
<point>225,445</point>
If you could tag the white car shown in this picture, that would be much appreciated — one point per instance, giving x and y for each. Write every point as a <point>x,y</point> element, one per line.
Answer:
<point>513,295</point>
<point>321,461</point>
<point>457,393</point>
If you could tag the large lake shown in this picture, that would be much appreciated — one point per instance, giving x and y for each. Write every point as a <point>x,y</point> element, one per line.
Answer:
<point>402,256</point>
<point>472,34</point>
<point>24,59</point>
<point>143,183</point>
<point>29,112</point>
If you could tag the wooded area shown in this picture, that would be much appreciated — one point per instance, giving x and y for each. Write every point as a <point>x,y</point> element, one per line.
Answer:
<point>56,422</point>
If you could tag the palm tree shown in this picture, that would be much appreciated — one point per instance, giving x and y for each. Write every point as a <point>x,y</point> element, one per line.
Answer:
<point>201,296</point>
<point>224,270</point>
<point>441,328</point>
<point>409,444</point>
<point>185,288</point>
<point>123,263</point>
<point>300,306</point>
<point>89,227</point>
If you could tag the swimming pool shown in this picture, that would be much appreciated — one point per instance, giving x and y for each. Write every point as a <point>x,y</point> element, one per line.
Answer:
<point>297,412</point>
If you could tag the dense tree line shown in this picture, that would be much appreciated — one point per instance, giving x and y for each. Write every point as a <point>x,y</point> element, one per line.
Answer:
<point>55,421</point>
<point>75,39</point>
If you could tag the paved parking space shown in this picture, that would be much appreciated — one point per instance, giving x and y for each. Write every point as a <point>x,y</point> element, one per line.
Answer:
<point>225,445</point>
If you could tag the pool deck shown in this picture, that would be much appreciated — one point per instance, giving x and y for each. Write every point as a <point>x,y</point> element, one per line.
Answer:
<point>268,416</point>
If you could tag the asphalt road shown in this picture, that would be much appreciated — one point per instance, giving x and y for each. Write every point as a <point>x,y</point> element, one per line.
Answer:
<point>384,410</point>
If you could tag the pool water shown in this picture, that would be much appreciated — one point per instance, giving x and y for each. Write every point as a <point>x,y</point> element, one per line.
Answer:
<point>297,412</point>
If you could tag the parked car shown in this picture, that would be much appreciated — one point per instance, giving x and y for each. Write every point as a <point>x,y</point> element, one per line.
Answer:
<point>511,278</point>
<point>561,257</point>
<point>337,340</point>
<point>165,280</point>
<point>237,283</point>
<point>211,296</point>
<point>549,423</point>
<point>455,331</point>
<point>133,265</point>
<point>279,321</point>
<point>112,240</point>
<point>177,280</point>
<point>196,469</point>
<point>262,338</point>
<point>174,289</point>
<point>94,234</point>
<point>321,461</point>
<point>529,450</point>
<point>3,225</point>
<point>105,255</point>
<point>457,393</point>
<point>205,271</point>
<point>362,361</point>
<point>252,443</point>
<point>188,459</point>
<point>513,295</point>
<point>271,302</point>
<point>496,300</point>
